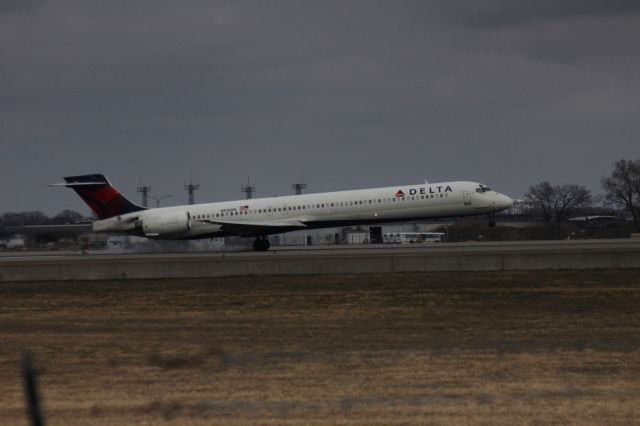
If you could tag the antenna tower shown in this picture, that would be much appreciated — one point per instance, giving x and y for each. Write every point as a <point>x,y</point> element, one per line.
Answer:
<point>144,190</point>
<point>298,187</point>
<point>248,189</point>
<point>191,188</point>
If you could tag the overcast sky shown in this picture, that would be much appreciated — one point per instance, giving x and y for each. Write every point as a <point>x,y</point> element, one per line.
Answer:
<point>355,93</point>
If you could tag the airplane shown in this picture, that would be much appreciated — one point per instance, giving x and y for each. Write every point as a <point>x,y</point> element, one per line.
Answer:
<point>260,217</point>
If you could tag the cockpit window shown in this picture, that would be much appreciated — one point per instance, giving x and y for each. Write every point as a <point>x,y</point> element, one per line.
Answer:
<point>482,189</point>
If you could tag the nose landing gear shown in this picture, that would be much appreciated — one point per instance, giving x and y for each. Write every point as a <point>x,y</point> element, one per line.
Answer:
<point>492,220</point>
<point>261,244</point>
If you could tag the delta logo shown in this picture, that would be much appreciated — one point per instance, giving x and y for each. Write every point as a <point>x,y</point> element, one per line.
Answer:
<point>425,190</point>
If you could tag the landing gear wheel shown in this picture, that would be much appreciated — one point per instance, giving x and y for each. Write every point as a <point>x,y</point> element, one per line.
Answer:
<point>261,244</point>
<point>492,221</point>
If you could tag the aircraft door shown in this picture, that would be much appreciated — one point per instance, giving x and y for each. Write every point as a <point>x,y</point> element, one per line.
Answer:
<point>466,196</point>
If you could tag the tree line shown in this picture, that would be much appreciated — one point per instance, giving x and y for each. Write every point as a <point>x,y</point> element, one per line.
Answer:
<point>557,203</point>
<point>65,217</point>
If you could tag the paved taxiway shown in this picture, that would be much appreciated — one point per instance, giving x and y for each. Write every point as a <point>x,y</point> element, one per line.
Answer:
<point>341,250</point>
<point>488,256</point>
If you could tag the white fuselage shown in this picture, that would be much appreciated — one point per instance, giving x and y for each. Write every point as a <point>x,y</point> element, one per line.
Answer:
<point>329,209</point>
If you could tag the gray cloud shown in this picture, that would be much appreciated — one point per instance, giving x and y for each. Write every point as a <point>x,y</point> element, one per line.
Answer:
<point>356,93</point>
<point>509,13</point>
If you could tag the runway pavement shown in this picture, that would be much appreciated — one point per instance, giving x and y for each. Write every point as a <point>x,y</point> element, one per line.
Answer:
<point>576,254</point>
<point>339,250</point>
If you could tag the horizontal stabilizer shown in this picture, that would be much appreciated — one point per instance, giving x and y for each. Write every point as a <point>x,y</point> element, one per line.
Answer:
<point>74,184</point>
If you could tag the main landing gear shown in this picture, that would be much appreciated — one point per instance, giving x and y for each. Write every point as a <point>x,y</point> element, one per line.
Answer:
<point>492,220</point>
<point>261,244</point>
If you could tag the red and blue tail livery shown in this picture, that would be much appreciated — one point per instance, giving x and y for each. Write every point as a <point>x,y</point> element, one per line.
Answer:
<point>100,196</point>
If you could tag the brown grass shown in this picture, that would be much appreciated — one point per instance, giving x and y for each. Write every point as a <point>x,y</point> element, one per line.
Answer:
<point>435,348</point>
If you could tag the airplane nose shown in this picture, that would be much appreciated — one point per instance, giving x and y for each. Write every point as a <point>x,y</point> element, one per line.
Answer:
<point>505,202</point>
<point>502,202</point>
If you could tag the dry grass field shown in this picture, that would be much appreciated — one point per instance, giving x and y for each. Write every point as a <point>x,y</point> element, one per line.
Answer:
<point>431,348</point>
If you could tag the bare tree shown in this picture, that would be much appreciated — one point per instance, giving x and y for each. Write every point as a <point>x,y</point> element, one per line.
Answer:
<point>541,194</point>
<point>558,202</point>
<point>569,198</point>
<point>24,218</point>
<point>623,187</point>
<point>67,217</point>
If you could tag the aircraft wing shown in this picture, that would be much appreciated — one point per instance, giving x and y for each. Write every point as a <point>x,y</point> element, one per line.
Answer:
<point>250,229</point>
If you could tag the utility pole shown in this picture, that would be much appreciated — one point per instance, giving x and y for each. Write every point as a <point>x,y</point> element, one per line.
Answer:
<point>298,187</point>
<point>248,189</point>
<point>144,190</point>
<point>191,188</point>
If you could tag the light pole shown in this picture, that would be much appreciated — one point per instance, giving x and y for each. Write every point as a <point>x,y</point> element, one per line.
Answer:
<point>157,200</point>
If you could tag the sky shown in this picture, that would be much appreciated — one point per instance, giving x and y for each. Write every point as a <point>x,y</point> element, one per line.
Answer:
<point>354,94</point>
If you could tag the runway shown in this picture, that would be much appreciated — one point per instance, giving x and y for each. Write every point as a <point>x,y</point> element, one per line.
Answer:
<point>337,250</point>
<point>489,256</point>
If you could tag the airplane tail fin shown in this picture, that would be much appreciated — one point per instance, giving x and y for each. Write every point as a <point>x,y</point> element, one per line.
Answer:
<point>100,196</point>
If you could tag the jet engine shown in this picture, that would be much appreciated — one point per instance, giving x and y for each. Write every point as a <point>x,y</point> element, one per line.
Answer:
<point>166,223</point>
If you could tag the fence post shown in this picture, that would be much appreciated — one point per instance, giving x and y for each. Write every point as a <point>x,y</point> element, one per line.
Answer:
<point>31,391</point>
